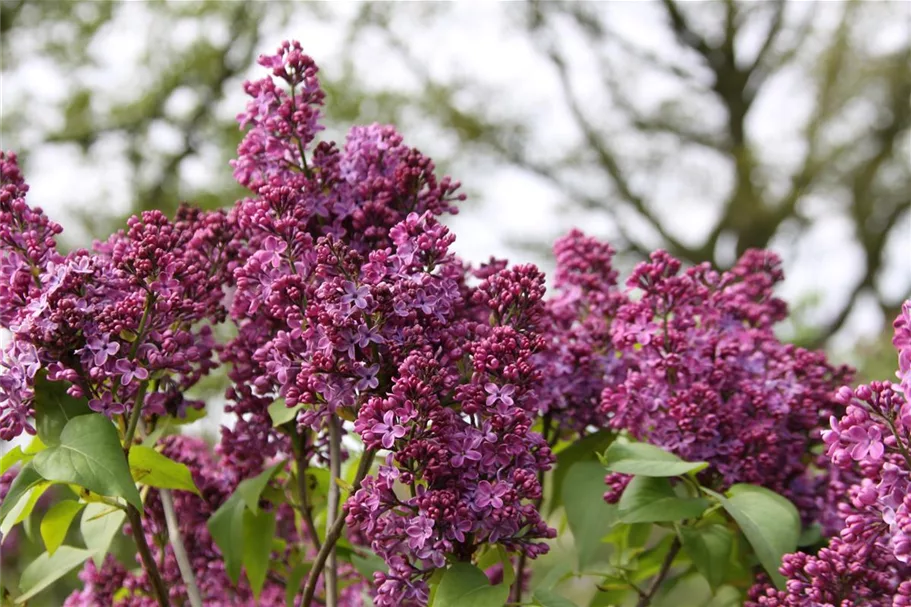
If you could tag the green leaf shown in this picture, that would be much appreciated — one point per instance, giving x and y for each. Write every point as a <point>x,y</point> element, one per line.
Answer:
<point>89,455</point>
<point>769,521</point>
<point>149,467</point>
<point>54,408</point>
<point>56,523</point>
<point>643,459</point>
<point>549,598</point>
<point>589,517</point>
<point>368,565</point>
<point>47,569</point>
<point>99,524</point>
<point>810,536</point>
<point>251,488</point>
<point>27,478</point>
<point>497,555</point>
<point>23,508</point>
<point>464,584</point>
<point>294,582</point>
<point>281,414</point>
<point>227,528</point>
<point>652,500</point>
<point>709,547</point>
<point>11,458</point>
<point>586,449</point>
<point>257,542</point>
<point>36,446</point>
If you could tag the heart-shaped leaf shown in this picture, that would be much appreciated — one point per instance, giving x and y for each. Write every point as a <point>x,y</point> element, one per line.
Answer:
<point>464,584</point>
<point>23,508</point>
<point>251,489</point>
<point>54,408</point>
<point>589,517</point>
<point>586,449</point>
<point>769,521</point>
<point>709,547</point>
<point>89,455</point>
<point>258,531</point>
<point>227,528</point>
<point>643,459</point>
<point>281,414</point>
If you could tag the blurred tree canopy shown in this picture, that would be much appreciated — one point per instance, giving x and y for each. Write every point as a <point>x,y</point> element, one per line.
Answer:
<point>670,135</point>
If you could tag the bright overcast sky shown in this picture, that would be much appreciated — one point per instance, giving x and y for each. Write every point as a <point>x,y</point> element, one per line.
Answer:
<point>516,205</point>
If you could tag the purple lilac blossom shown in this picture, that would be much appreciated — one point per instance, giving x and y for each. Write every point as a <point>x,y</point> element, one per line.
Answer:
<point>868,564</point>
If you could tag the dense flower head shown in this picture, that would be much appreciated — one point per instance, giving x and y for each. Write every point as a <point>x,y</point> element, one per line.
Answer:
<point>130,320</point>
<point>459,438</point>
<point>349,303</point>
<point>706,378</point>
<point>581,359</point>
<point>869,562</point>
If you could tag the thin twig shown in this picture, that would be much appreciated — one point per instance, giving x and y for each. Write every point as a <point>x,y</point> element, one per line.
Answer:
<point>148,561</point>
<point>335,467</point>
<point>180,553</point>
<point>303,493</point>
<point>646,599</point>
<point>334,533</point>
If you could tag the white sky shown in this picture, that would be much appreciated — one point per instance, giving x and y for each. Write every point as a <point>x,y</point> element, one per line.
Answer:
<point>477,40</point>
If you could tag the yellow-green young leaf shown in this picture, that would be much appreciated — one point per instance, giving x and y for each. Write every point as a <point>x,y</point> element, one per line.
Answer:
<point>36,446</point>
<point>252,488</point>
<point>24,506</point>
<point>12,457</point>
<point>47,569</point>
<point>99,524</point>
<point>549,598</point>
<point>258,531</point>
<point>56,523</point>
<point>27,478</point>
<point>281,414</point>
<point>89,455</point>
<point>149,467</point>
<point>227,528</point>
<point>464,584</point>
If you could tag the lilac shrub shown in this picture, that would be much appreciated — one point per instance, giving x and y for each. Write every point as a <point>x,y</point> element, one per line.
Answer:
<point>358,337</point>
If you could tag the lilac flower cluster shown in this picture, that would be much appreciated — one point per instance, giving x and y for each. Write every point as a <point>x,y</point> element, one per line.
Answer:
<point>581,359</point>
<point>127,324</point>
<point>869,562</point>
<point>706,378</point>
<point>458,428</point>
<point>349,303</point>
<point>312,306</point>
